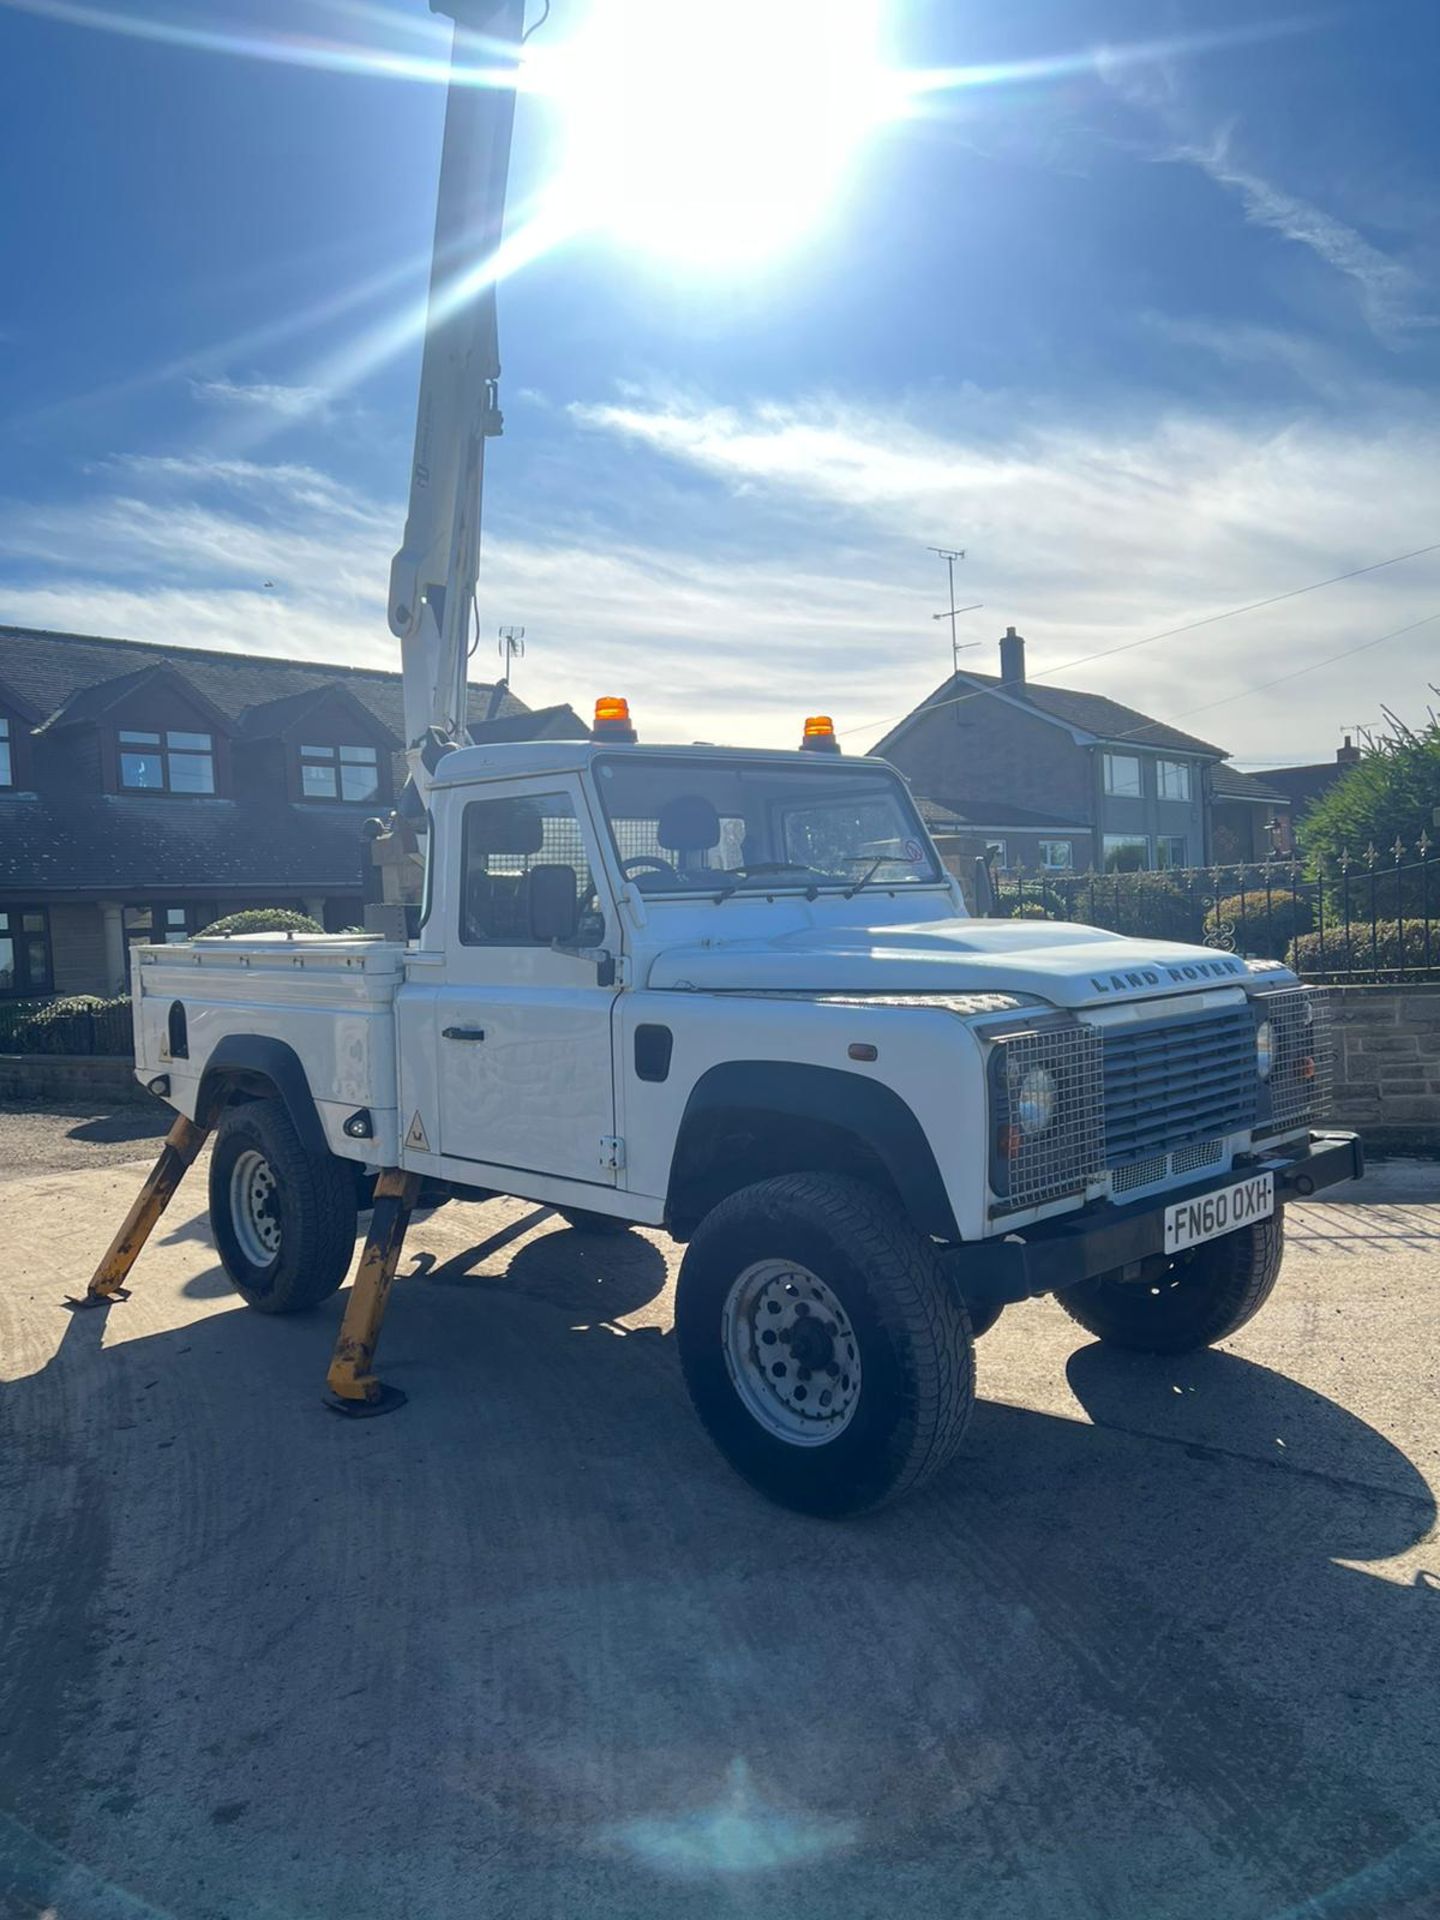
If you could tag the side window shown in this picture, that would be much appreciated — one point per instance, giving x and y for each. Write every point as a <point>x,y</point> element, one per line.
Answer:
<point>504,842</point>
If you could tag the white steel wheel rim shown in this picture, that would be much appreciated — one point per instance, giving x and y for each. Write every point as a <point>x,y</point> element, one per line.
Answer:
<point>253,1210</point>
<point>792,1354</point>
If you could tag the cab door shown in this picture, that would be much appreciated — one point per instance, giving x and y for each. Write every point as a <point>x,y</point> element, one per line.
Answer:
<point>523,1030</point>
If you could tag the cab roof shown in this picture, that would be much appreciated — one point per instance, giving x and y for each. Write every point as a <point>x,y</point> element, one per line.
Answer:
<point>514,759</point>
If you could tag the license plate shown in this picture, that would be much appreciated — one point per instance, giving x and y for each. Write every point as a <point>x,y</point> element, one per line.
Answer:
<point>1189,1222</point>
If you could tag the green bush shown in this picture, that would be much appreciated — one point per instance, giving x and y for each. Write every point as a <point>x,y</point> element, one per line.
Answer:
<point>262,920</point>
<point>1150,905</point>
<point>1244,920</point>
<point>1397,943</point>
<point>1026,910</point>
<point>76,1023</point>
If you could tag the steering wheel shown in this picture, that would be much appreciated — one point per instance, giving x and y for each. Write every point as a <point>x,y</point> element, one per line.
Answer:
<point>643,863</point>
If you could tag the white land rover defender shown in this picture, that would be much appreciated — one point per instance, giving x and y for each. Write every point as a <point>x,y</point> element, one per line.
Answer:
<point>737,996</point>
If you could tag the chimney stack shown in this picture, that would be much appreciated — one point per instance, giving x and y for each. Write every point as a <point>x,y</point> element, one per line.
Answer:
<point>1012,659</point>
<point>1345,756</point>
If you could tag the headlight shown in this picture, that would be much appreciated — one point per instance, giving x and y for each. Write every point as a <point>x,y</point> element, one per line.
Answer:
<point>1264,1049</point>
<point>1034,1105</point>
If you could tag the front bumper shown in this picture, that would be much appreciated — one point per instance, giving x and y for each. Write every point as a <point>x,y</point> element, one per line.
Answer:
<point>1058,1253</point>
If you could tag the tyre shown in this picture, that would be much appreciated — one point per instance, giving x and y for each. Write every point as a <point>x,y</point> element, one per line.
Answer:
<point>284,1218</point>
<point>1203,1295</point>
<point>827,1354</point>
<point>583,1221</point>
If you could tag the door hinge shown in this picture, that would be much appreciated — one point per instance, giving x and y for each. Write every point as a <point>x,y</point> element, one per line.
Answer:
<point>612,1152</point>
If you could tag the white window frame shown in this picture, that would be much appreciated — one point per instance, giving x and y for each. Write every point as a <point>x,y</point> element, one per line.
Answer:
<point>1067,865</point>
<point>1164,771</point>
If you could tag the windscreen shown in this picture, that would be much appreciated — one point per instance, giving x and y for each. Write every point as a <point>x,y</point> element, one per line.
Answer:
<point>710,825</point>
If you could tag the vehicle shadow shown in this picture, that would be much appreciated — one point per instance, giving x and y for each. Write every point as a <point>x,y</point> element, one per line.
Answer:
<point>148,1121</point>
<point>531,1647</point>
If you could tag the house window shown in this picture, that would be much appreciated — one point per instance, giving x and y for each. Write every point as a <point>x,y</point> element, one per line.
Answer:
<point>7,762</point>
<point>1173,779</point>
<point>170,762</point>
<point>164,926</point>
<point>1126,853</point>
<point>24,950</point>
<point>1170,850</point>
<point>1057,856</point>
<point>1122,776</point>
<point>340,773</point>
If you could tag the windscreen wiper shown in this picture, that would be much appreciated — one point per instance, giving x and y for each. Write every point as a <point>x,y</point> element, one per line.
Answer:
<point>866,877</point>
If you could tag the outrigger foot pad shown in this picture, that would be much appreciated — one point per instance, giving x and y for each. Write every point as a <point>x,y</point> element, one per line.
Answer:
<point>385,1401</point>
<point>79,1303</point>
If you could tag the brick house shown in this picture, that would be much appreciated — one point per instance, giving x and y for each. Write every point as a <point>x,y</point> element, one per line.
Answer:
<point>1060,780</point>
<point>145,790</point>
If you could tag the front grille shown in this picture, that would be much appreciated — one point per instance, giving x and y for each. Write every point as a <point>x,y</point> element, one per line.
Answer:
<point>1209,1153</point>
<point>1178,1082</point>
<point>1146,1173</point>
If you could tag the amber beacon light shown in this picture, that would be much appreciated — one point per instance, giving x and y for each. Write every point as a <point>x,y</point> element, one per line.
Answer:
<point>819,735</point>
<point>612,721</point>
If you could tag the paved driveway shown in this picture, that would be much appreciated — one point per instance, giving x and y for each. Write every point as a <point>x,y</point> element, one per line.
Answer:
<point>1164,1645</point>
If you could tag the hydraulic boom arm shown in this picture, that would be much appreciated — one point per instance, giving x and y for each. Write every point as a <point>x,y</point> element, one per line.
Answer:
<point>432,577</point>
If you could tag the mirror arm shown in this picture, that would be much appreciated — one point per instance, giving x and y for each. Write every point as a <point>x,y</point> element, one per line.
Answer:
<point>603,959</point>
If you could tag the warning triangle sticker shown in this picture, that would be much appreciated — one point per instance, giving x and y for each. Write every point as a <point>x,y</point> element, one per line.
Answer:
<point>417,1137</point>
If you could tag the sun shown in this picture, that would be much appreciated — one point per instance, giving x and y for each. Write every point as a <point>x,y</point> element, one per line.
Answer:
<point>711,133</point>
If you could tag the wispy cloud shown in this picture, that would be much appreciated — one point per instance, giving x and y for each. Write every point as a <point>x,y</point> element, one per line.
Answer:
<point>1391,294</point>
<point>803,577</point>
<point>1395,301</point>
<point>265,397</point>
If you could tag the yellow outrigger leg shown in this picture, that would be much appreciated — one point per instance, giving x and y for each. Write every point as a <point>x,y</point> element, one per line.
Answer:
<point>354,1389</point>
<point>107,1283</point>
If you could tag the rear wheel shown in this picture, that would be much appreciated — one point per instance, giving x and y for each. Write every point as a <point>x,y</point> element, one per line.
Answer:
<point>284,1218</point>
<point>1201,1296</point>
<point>826,1352</point>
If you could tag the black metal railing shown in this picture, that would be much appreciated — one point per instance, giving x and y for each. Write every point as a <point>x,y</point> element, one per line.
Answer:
<point>76,1025</point>
<point>1368,917</point>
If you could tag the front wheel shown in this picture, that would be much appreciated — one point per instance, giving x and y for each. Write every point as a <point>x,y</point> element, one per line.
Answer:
<point>284,1218</point>
<point>826,1352</point>
<point>1202,1295</point>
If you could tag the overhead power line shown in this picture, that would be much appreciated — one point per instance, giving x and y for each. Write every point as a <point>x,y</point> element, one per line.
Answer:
<point>1263,686</point>
<point>1169,633</point>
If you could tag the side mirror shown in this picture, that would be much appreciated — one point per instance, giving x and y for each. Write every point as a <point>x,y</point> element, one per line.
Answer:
<point>554,907</point>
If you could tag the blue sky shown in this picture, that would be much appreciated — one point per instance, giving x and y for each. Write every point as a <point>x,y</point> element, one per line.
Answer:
<point>1150,335</point>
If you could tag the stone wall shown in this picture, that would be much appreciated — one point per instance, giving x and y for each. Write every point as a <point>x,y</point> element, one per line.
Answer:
<point>1387,1066</point>
<point>57,1076</point>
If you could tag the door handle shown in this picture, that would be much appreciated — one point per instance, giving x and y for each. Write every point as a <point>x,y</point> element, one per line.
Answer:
<point>463,1033</point>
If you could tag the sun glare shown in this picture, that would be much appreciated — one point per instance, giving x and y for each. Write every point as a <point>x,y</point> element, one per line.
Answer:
<point>712,133</point>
